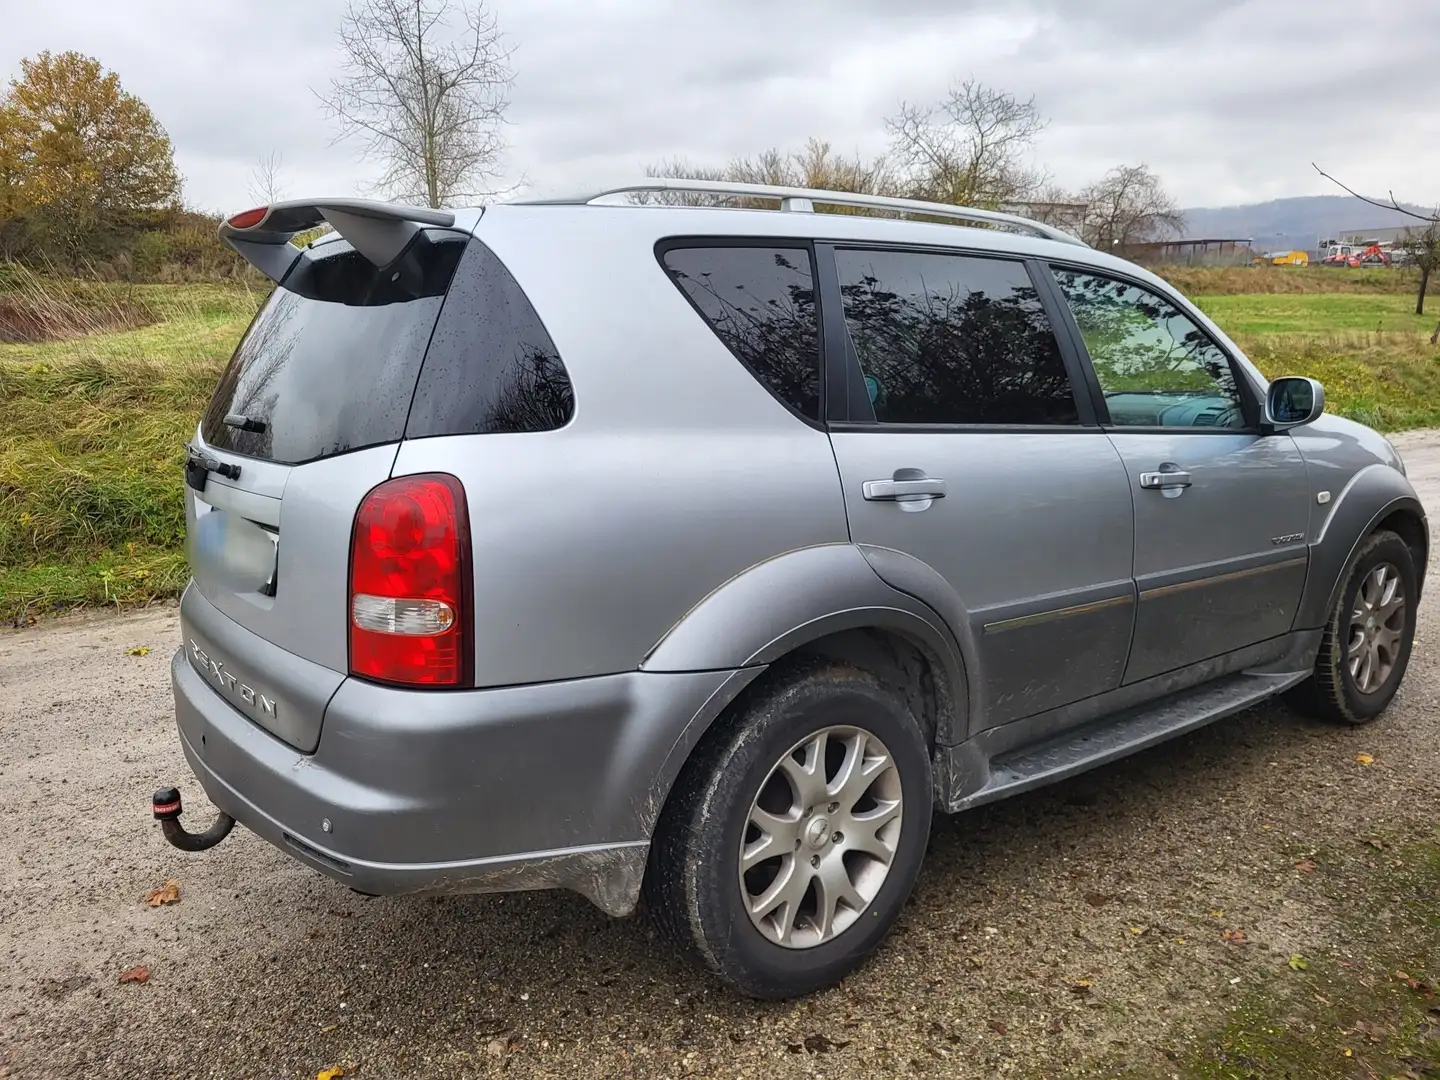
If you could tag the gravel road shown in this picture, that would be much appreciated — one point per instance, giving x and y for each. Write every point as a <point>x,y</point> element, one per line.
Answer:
<point>1065,932</point>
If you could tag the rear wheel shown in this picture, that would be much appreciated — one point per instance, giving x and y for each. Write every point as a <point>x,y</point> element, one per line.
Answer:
<point>1366,645</point>
<point>794,837</point>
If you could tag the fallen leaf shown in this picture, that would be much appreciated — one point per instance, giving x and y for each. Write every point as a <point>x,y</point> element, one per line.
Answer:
<point>1306,866</point>
<point>138,974</point>
<point>1081,986</point>
<point>1137,930</point>
<point>1348,1052</point>
<point>138,650</point>
<point>1299,963</point>
<point>169,893</point>
<point>1235,937</point>
<point>330,1074</point>
<point>998,1026</point>
<point>819,1044</point>
<point>1411,981</point>
<point>1365,759</point>
<point>1218,913</point>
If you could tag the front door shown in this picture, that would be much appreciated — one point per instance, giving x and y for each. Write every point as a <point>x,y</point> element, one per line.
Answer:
<point>1221,511</point>
<point>974,457</point>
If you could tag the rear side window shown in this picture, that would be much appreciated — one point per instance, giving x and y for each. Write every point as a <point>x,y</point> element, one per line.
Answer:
<point>329,364</point>
<point>952,339</point>
<point>760,301</point>
<point>491,366</point>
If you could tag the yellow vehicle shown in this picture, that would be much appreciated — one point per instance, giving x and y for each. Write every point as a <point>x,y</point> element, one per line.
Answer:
<point>1283,258</point>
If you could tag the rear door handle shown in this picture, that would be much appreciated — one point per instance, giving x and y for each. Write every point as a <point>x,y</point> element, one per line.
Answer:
<point>929,487</point>
<point>1159,481</point>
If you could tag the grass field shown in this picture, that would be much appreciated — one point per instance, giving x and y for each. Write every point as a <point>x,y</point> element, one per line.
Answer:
<point>92,426</point>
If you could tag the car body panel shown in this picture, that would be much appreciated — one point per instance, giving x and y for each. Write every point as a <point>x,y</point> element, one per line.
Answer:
<point>1033,536</point>
<point>1219,564</point>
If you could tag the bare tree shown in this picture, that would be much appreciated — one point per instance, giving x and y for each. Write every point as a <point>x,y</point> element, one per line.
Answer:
<point>970,149</point>
<point>1129,205</point>
<point>816,166</point>
<point>1422,248</point>
<point>266,186</point>
<point>425,84</point>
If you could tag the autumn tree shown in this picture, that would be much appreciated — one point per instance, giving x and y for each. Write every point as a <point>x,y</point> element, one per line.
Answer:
<point>424,87</point>
<point>971,149</point>
<point>82,159</point>
<point>1128,205</point>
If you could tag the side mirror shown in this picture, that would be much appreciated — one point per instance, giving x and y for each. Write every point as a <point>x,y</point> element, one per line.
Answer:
<point>1293,401</point>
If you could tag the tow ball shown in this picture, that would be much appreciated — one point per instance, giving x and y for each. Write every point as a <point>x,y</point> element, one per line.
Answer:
<point>166,805</point>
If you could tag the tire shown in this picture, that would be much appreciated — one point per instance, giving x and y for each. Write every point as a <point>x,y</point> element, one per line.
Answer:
<point>1337,694</point>
<point>695,887</point>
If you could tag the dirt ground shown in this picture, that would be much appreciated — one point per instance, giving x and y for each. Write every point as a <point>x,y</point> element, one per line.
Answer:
<point>1230,904</point>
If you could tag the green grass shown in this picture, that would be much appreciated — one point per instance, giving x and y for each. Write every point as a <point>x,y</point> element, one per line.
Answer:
<point>91,451</point>
<point>92,427</point>
<point>1318,313</point>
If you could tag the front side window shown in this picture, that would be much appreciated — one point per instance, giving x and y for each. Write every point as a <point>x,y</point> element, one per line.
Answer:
<point>1156,367</point>
<point>953,339</point>
<point>760,301</point>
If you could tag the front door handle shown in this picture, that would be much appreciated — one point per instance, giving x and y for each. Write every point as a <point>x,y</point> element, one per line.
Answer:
<point>929,487</point>
<point>1165,478</point>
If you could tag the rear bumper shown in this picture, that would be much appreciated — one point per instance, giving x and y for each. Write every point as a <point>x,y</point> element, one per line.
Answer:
<point>556,785</point>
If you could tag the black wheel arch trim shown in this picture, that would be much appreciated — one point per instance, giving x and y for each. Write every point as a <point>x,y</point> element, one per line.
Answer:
<point>1373,495</point>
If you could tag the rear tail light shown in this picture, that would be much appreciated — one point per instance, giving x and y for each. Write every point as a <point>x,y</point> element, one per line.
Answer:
<point>410,618</point>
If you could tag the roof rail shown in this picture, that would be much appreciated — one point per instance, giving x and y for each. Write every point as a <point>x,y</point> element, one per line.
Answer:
<point>804,200</point>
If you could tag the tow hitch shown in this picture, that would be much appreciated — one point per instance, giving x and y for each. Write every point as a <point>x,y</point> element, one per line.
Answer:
<point>166,805</point>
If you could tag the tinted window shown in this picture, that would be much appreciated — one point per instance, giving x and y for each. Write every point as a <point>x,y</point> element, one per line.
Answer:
<point>1155,366</point>
<point>491,366</point>
<point>948,339</point>
<point>330,361</point>
<point>761,302</point>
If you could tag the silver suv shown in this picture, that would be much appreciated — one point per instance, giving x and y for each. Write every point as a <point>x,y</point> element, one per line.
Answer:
<point>698,553</point>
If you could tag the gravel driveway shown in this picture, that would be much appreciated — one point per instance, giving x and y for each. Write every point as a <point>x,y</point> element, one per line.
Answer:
<point>1088,929</point>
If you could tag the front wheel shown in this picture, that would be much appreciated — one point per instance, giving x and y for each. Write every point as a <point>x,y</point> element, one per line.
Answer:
<point>1366,645</point>
<point>794,837</point>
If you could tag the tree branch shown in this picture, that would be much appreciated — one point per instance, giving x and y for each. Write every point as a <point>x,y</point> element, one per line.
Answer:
<point>1391,205</point>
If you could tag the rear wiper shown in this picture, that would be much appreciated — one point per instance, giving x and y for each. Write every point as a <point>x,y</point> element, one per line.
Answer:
<point>244,423</point>
<point>199,465</point>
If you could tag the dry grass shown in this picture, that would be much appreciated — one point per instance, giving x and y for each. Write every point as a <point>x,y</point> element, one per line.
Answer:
<point>36,309</point>
<point>1270,280</point>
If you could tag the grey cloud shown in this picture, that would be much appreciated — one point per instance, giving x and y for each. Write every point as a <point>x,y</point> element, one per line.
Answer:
<point>1228,99</point>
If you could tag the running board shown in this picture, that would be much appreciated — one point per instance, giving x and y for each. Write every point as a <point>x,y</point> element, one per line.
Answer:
<point>1118,736</point>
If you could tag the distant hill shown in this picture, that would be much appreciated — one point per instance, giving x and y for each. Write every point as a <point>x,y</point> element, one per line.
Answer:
<point>1283,224</point>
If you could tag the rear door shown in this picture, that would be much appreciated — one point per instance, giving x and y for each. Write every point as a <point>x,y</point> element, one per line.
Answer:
<point>1221,511</point>
<point>306,420</point>
<point>970,451</point>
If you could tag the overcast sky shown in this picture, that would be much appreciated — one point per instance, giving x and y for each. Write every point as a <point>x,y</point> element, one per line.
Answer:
<point>1228,100</point>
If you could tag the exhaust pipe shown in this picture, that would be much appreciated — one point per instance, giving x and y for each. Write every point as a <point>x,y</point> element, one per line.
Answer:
<point>165,804</point>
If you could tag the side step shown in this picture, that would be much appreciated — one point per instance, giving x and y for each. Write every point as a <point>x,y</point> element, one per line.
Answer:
<point>1122,734</point>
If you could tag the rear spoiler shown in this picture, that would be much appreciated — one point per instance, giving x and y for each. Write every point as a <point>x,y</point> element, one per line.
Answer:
<point>380,231</point>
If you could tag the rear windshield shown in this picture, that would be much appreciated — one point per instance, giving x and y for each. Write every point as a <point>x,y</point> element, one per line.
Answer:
<point>330,362</point>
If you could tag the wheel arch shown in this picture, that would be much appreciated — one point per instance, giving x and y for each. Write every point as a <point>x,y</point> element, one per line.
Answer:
<point>823,603</point>
<point>1376,497</point>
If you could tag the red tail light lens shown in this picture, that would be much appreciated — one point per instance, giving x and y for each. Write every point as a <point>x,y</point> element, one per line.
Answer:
<point>248,219</point>
<point>410,620</point>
